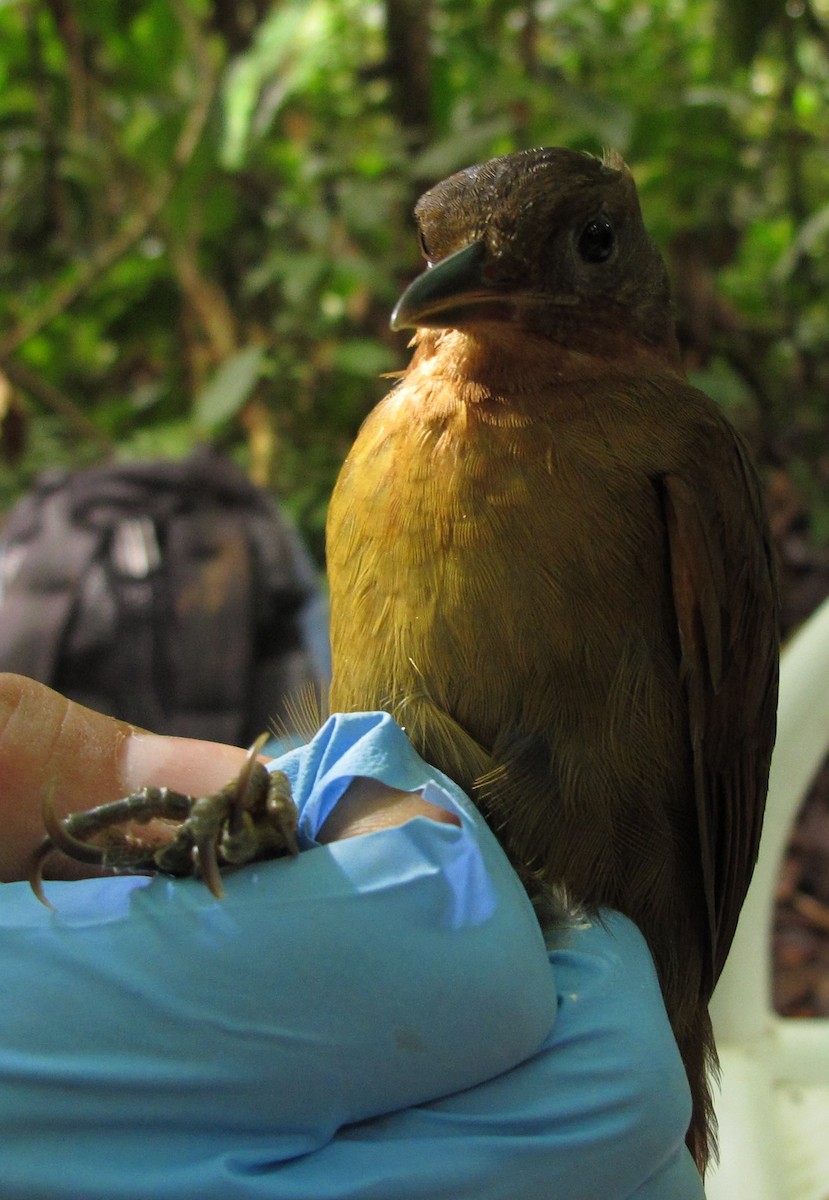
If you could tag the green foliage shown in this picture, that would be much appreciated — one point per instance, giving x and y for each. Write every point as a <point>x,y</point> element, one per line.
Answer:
<point>229,388</point>
<point>205,206</point>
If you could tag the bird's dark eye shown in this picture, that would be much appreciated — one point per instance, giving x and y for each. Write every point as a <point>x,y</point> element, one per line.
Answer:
<point>596,241</point>
<point>424,249</point>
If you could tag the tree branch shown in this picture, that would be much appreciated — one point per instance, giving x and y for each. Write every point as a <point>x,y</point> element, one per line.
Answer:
<point>29,381</point>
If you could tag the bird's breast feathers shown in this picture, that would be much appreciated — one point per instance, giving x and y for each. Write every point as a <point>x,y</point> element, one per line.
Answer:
<point>444,494</point>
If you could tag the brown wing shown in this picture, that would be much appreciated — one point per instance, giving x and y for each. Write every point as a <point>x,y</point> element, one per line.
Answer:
<point>726,609</point>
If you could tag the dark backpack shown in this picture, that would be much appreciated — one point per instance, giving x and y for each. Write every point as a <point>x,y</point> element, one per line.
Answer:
<point>170,594</point>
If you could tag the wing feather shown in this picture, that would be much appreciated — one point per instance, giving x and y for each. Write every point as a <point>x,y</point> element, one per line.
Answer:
<point>724,597</point>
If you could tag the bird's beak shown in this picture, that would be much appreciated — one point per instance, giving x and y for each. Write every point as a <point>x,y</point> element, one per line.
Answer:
<point>449,287</point>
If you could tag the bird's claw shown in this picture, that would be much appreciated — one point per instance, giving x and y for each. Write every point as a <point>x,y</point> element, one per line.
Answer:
<point>252,817</point>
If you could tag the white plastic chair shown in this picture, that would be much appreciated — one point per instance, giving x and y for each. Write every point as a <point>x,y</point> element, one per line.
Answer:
<point>773,1106</point>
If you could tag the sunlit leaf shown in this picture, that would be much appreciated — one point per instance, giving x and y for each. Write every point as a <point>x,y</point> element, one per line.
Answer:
<point>229,388</point>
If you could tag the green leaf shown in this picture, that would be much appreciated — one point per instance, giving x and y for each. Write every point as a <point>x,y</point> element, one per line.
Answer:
<point>276,64</point>
<point>364,357</point>
<point>229,388</point>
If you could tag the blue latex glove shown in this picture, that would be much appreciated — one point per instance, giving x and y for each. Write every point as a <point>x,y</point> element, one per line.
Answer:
<point>378,1018</point>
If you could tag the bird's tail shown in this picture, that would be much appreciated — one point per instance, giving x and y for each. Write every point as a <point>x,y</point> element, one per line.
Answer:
<point>699,1054</point>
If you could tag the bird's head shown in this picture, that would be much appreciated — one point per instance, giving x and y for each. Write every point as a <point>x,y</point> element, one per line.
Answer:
<point>551,241</point>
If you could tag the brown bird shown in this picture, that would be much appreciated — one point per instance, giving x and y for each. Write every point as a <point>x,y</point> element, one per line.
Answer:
<point>549,561</point>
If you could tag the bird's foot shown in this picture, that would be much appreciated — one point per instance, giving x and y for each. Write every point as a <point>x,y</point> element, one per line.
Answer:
<point>252,817</point>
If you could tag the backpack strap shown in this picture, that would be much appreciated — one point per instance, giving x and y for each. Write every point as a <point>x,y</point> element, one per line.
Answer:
<point>43,557</point>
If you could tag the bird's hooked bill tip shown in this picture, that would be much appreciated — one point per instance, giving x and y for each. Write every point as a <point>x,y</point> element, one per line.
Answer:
<point>440,287</point>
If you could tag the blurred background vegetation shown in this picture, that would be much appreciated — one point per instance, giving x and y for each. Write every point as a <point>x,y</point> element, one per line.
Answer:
<point>205,211</point>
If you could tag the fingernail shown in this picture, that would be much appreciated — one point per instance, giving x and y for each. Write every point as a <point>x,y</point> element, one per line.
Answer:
<point>181,764</point>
